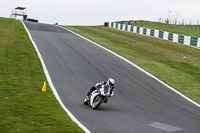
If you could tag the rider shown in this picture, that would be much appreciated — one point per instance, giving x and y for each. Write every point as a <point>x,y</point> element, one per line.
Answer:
<point>110,83</point>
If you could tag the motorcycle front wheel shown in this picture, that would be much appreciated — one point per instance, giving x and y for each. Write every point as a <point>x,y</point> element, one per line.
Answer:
<point>97,101</point>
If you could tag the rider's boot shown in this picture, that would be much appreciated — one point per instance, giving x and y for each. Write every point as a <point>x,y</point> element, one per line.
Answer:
<point>106,100</point>
<point>87,95</point>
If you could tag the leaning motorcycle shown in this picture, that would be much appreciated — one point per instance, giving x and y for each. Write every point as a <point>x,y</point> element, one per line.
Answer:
<point>97,97</point>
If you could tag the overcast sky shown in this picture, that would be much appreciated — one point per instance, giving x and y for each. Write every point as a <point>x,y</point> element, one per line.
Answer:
<point>96,12</point>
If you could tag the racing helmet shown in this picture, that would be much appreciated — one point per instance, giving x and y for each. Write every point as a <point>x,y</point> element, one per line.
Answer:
<point>110,82</point>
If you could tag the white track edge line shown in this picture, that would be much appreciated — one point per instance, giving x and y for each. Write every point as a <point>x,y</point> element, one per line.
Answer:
<point>52,86</point>
<point>190,100</point>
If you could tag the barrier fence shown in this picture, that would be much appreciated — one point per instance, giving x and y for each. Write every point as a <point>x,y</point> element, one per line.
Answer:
<point>187,40</point>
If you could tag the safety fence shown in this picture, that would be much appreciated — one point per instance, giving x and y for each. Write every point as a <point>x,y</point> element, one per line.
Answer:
<point>187,40</point>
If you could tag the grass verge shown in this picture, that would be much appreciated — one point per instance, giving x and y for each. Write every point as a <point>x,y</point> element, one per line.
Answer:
<point>24,107</point>
<point>175,64</point>
<point>187,30</point>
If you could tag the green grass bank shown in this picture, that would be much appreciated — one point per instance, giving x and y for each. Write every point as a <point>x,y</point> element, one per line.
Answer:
<point>187,30</point>
<point>175,64</point>
<point>23,106</point>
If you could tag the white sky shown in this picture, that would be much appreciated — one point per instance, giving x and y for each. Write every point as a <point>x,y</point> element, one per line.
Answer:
<point>96,12</point>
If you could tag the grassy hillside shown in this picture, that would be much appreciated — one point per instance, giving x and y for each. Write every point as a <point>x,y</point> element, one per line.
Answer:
<point>187,30</point>
<point>23,106</point>
<point>175,64</point>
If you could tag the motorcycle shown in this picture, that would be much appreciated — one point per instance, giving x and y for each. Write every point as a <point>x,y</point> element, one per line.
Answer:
<point>97,97</point>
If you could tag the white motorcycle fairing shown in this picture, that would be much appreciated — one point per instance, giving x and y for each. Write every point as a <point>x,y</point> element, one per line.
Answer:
<point>94,94</point>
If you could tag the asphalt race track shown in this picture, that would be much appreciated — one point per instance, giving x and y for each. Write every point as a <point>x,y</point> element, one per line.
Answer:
<point>140,104</point>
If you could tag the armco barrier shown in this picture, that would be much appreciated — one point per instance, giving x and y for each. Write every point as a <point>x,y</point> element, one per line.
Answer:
<point>198,43</point>
<point>170,36</point>
<point>187,40</point>
<point>156,33</point>
<point>194,41</point>
<point>152,32</point>
<point>144,31</point>
<point>175,37</point>
<point>166,35</point>
<point>180,39</point>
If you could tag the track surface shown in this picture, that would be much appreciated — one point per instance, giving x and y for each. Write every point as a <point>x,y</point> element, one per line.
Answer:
<point>140,105</point>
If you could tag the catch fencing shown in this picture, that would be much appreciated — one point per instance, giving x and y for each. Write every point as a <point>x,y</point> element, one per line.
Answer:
<point>181,39</point>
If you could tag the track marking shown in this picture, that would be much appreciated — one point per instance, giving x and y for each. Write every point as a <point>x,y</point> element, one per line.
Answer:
<point>164,127</point>
<point>51,84</point>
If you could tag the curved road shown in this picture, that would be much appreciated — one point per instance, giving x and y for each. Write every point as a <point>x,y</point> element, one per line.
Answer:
<point>140,105</point>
